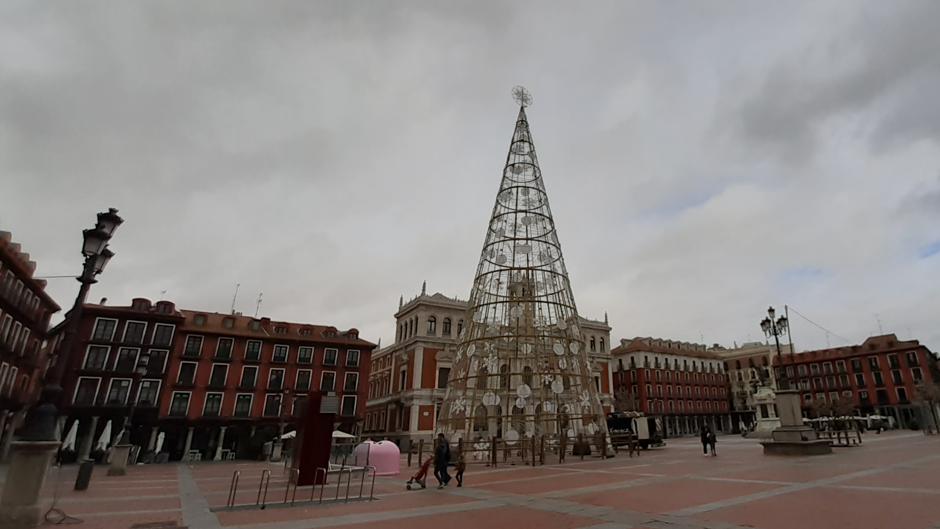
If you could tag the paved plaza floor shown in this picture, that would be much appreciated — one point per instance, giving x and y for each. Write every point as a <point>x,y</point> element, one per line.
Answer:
<point>891,482</point>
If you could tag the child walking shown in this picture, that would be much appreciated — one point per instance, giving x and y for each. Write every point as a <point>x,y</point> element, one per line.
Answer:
<point>460,467</point>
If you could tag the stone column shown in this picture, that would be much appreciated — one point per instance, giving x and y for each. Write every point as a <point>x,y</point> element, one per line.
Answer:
<point>84,447</point>
<point>189,443</point>
<point>218,446</point>
<point>19,505</point>
<point>152,443</point>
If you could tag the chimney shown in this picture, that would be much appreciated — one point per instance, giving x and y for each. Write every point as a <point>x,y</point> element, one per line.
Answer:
<point>103,301</point>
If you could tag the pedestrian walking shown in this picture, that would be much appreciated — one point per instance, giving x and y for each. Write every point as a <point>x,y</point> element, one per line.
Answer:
<point>705,436</point>
<point>713,442</point>
<point>441,460</point>
<point>460,467</point>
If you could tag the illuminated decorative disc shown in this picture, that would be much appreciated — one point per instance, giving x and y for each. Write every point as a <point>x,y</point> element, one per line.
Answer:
<point>524,391</point>
<point>501,232</point>
<point>516,311</point>
<point>523,248</point>
<point>562,324</point>
<point>548,406</point>
<point>558,386</point>
<point>501,259</point>
<point>490,398</point>
<point>574,347</point>
<point>512,437</point>
<point>520,403</point>
<point>525,193</point>
<point>528,220</point>
<point>471,349</point>
<point>562,363</point>
<point>559,349</point>
<point>517,168</point>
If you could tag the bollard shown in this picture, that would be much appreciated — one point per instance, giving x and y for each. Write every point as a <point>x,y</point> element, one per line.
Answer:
<point>84,474</point>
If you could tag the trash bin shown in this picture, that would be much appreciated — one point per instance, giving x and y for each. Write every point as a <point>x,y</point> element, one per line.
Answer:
<point>84,474</point>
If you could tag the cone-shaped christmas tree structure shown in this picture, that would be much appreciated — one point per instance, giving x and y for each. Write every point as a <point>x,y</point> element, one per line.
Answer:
<point>521,368</point>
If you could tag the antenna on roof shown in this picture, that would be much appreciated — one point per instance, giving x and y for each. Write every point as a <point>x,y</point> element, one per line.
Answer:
<point>235,296</point>
<point>258,305</point>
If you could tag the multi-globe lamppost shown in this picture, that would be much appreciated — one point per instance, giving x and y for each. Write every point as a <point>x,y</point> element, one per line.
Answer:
<point>41,420</point>
<point>38,439</point>
<point>776,328</point>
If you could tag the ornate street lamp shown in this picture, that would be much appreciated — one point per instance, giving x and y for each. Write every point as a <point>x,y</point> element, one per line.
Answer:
<point>776,328</point>
<point>40,424</point>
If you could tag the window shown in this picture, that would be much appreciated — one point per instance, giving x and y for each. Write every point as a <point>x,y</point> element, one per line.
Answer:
<point>403,379</point>
<point>896,377</point>
<point>187,374</point>
<point>349,406</point>
<point>912,359</point>
<point>303,380</point>
<point>893,361</point>
<point>126,359</point>
<point>253,351</point>
<point>879,379</point>
<point>827,367</point>
<point>118,391</point>
<point>218,375</point>
<point>228,323</point>
<point>199,320</point>
<point>255,325</point>
<point>96,357</point>
<point>157,364</point>
<point>249,377</point>
<point>243,404</point>
<point>213,405</point>
<point>352,358</point>
<point>86,391</point>
<point>443,374</point>
<point>104,330</point>
<point>223,351</point>
<point>351,384</point>
<point>917,374</point>
<point>329,357</point>
<point>459,327</point>
<point>5,329</point>
<point>840,366</point>
<point>272,405</point>
<point>276,379</point>
<point>856,365</point>
<point>432,325</point>
<point>280,354</point>
<point>603,349</point>
<point>814,369</point>
<point>860,380</point>
<point>902,394</point>
<point>446,328</point>
<point>873,363</point>
<point>306,331</point>
<point>163,334</point>
<point>179,406</point>
<point>193,346</point>
<point>593,345</point>
<point>134,332</point>
<point>801,369</point>
<point>807,397</point>
<point>863,396</point>
<point>305,355</point>
<point>148,392</point>
<point>328,381</point>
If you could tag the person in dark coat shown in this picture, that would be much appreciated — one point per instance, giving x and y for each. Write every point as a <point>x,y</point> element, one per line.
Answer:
<point>441,460</point>
<point>706,437</point>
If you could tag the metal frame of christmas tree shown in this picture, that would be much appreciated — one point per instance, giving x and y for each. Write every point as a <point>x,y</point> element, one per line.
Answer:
<point>521,368</point>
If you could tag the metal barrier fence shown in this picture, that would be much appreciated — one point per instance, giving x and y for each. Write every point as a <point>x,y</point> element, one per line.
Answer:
<point>291,487</point>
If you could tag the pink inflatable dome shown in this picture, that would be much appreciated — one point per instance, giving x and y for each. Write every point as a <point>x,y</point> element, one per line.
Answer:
<point>383,455</point>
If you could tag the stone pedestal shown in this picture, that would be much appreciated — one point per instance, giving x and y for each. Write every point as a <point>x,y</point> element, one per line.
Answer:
<point>19,505</point>
<point>793,437</point>
<point>119,455</point>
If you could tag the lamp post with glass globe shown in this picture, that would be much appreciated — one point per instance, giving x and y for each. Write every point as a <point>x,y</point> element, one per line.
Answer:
<point>776,328</point>
<point>38,439</point>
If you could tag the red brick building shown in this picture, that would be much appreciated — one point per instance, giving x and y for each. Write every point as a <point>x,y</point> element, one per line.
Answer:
<point>880,376</point>
<point>215,383</point>
<point>684,383</point>
<point>25,309</point>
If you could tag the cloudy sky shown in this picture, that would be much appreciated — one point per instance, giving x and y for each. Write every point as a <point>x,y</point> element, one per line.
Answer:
<point>703,160</point>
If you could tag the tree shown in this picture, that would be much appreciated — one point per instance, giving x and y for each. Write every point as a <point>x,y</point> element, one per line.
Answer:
<point>625,400</point>
<point>928,394</point>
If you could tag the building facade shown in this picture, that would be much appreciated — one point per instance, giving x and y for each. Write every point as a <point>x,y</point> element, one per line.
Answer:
<point>882,375</point>
<point>684,383</point>
<point>748,368</point>
<point>214,383</point>
<point>409,377</point>
<point>25,309</point>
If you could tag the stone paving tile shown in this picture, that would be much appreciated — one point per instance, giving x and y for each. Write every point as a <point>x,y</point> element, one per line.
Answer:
<point>501,517</point>
<point>670,496</point>
<point>574,480</point>
<point>834,508</point>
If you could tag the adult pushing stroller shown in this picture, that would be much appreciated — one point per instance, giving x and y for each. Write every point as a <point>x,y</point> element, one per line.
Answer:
<point>421,475</point>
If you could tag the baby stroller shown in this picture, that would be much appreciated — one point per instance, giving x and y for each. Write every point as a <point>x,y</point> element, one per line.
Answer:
<point>421,475</point>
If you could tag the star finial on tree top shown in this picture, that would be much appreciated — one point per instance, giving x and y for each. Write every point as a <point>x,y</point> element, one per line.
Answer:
<point>522,96</point>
